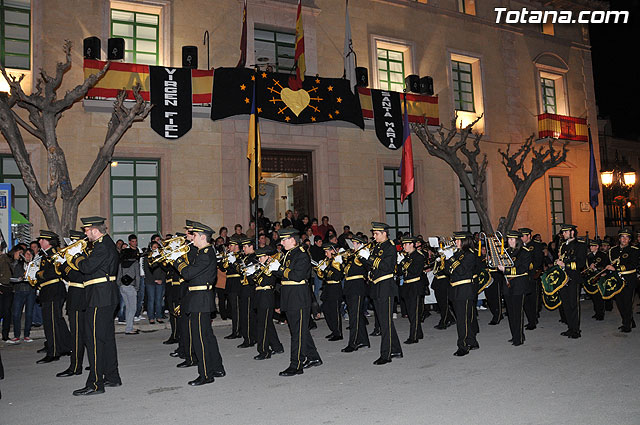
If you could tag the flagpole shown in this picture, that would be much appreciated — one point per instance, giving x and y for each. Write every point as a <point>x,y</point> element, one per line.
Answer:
<point>256,155</point>
<point>595,221</point>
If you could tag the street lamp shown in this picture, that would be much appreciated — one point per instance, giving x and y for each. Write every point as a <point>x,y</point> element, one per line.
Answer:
<point>618,180</point>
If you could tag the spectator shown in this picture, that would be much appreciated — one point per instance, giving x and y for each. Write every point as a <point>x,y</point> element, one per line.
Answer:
<point>154,287</point>
<point>263,222</point>
<point>309,233</point>
<point>325,227</point>
<point>251,232</point>
<point>133,244</point>
<point>36,316</point>
<point>305,223</point>
<point>129,283</point>
<point>119,245</point>
<point>24,297</point>
<point>6,289</point>
<point>275,238</point>
<point>238,230</point>
<point>346,234</point>
<point>287,221</point>
<point>262,240</point>
<point>224,234</point>
<point>156,238</point>
<point>315,229</point>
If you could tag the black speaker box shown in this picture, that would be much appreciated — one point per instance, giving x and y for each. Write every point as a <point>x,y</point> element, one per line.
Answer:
<point>91,48</point>
<point>426,85</point>
<point>190,57</point>
<point>412,83</point>
<point>115,49</point>
<point>362,76</point>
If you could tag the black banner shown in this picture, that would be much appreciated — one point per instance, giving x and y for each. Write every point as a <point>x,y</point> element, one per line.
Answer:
<point>387,116</point>
<point>170,92</point>
<point>319,100</point>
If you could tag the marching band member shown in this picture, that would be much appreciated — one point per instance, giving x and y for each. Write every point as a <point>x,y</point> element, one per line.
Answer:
<point>52,296</point>
<point>234,284</point>
<point>200,275</point>
<point>516,284</point>
<point>411,266</point>
<point>330,271</point>
<point>461,268</point>
<point>627,257</point>
<point>597,261</point>
<point>535,269</point>
<point>295,301</point>
<point>493,293</point>
<point>572,257</point>
<point>442,291</point>
<point>247,313</point>
<point>354,292</point>
<point>186,347</point>
<point>381,261</point>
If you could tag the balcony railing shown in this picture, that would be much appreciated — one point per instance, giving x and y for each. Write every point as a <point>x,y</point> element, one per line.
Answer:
<point>562,127</point>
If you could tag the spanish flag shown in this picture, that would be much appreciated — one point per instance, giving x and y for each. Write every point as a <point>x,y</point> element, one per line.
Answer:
<point>253,148</point>
<point>407,181</point>
<point>299,52</point>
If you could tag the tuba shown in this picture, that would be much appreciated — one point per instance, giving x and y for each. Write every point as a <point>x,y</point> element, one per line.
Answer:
<point>497,255</point>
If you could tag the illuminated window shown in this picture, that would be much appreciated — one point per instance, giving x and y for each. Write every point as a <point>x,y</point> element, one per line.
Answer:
<point>276,48</point>
<point>469,218</point>
<point>549,103</point>
<point>467,6</point>
<point>15,33</point>
<point>547,28</point>
<point>141,33</point>
<point>391,69</point>
<point>398,215</point>
<point>462,86</point>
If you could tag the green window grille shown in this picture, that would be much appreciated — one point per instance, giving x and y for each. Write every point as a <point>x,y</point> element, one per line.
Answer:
<point>391,69</point>
<point>462,86</point>
<point>556,189</point>
<point>141,33</point>
<point>398,216</point>
<point>276,48</point>
<point>549,95</point>
<point>9,173</point>
<point>468,215</point>
<point>15,33</point>
<point>135,199</point>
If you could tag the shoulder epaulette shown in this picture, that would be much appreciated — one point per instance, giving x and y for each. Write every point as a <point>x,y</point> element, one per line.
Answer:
<point>634,247</point>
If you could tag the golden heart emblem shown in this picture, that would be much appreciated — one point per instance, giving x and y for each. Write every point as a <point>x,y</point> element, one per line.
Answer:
<point>295,100</point>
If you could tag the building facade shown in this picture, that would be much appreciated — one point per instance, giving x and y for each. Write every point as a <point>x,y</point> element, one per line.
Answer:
<point>508,74</point>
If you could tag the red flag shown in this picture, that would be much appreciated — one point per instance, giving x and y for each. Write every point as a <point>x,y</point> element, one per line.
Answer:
<point>243,42</point>
<point>407,181</point>
<point>296,83</point>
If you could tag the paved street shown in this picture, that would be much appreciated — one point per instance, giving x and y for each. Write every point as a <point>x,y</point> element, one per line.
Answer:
<point>548,380</point>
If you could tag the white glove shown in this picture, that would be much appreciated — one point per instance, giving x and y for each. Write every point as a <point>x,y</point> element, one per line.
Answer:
<point>323,266</point>
<point>175,255</point>
<point>365,253</point>
<point>155,253</point>
<point>275,265</point>
<point>338,259</point>
<point>448,253</point>
<point>341,250</point>
<point>250,270</point>
<point>61,260</point>
<point>399,258</point>
<point>231,258</point>
<point>75,250</point>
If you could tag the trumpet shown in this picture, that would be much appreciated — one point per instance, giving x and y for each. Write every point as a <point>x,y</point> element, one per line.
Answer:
<point>349,253</point>
<point>175,245</point>
<point>32,268</point>
<point>264,267</point>
<point>64,255</point>
<point>497,255</point>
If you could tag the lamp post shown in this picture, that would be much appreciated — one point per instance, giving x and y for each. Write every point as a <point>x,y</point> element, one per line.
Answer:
<point>618,180</point>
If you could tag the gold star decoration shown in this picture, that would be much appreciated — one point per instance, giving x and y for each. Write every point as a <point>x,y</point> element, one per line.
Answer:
<point>287,119</point>
<point>337,112</point>
<point>330,116</point>
<point>246,100</point>
<point>263,75</point>
<point>242,87</point>
<point>317,80</point>
<point>313,119</point>
<point>339,100</point>
<point>330,88</point>
<point>259,110</point>
<point>253,78</point>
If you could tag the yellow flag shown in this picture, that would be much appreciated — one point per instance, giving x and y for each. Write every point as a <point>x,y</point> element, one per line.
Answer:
<point>253,149</point>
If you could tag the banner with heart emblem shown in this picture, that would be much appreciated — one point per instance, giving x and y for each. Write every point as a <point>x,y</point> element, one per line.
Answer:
<point>319,99</point>
<point>171,98</point>
<point>387,116</point>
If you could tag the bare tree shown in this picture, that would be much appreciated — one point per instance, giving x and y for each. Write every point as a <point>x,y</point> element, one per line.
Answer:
<point>44,111</point>
<point>452,146</point>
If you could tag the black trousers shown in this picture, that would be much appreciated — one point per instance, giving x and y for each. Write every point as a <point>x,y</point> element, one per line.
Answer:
<point>441,291</point>
<point>302,345</point>
<point>357,321</point>
<point>531,301</point>
<point>223,303</point>
<point>515,306</point>
<point>493,294</point>
<point>234,311</point>
<point>173,319</point>
<point>464,318</point>
<point>267,334</point>
<point>598,304</point>
<point>100,338</point>
<point>6,302</point>
<point>77,326</point>
<point>55,328</point>
<point>185,341</point>
<point>624,300</point>
<point>413,300</point>
<point>247,316</point>
<point>569,295</point>
<point>205,344</point>
<point>389,342</point>
<point>331,308</point>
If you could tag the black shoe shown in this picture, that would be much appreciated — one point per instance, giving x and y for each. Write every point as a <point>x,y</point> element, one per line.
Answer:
<point>361,345</point>
<point>565,333</point>
<point>66,353</point>
<point>87,368</point>
<point>67,373</point>
<point>517,344</point>
<point>349,349</point>
<point>376,332</point>
<point>394,355</point>
<point>311,363</point>
<point>42,350</point>
<point>460,352</point>
<point>186,363</point>
<point>329,336</point>
<point>493,322</point>
<point>263,356</point>
<point>278,351</point>
<point>530,327</point>
<point>219,373</point>
<point>246,345</point>
<point>201,381</point>
<point>312,325</point>
<point>336,338</point>
<point>599,318</point>
<point>291,371</point>
<point>441,326</point>
<point>574,335</point>
<point>474,347</point>
<point>88,391</point>
<point>48,359</point>
<point>625,329</point>
<point>411,341</point>
<point>233,336</point>
<point>510,340</point>
<point>112,384</point>
<point>381,361</point>
<point>170,341</point>
<point>159,320</point>
<point>174,354</point>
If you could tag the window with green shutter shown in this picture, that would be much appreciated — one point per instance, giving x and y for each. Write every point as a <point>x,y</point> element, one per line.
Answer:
<point>549,95</point>
<point>469,217</point>
<point>15,33</point>
<point>462,86</point>
<point>398,215</point>
<point>391,69</point>
<point>276,48</point>
<point>556,189</point>
<point>141,33</point>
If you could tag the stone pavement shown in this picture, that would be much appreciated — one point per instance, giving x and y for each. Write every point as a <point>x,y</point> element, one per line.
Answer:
<point>548,380</point>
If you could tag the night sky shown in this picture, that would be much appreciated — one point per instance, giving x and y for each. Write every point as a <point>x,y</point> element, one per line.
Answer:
<point>616,74</point>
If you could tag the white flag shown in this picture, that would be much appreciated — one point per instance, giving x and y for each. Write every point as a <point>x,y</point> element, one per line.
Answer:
<point>349,54</point>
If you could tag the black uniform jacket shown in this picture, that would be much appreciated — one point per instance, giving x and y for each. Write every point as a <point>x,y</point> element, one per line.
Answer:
<point>234,274</point>
<point>100,269</point>
<point>51,286</point>
<point>600,259</point>
<point>629,260</point>
<point>518,275</point>
<point>412,267</point>
<point>264,296</point>
<point>200,277</point>
<point>355,278</point>
<point>331,281</point>
<point>462,266</point>
<point>76,297</point>
<point>382,266</point>
<point>574,255</point>
<point>295,268</point>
